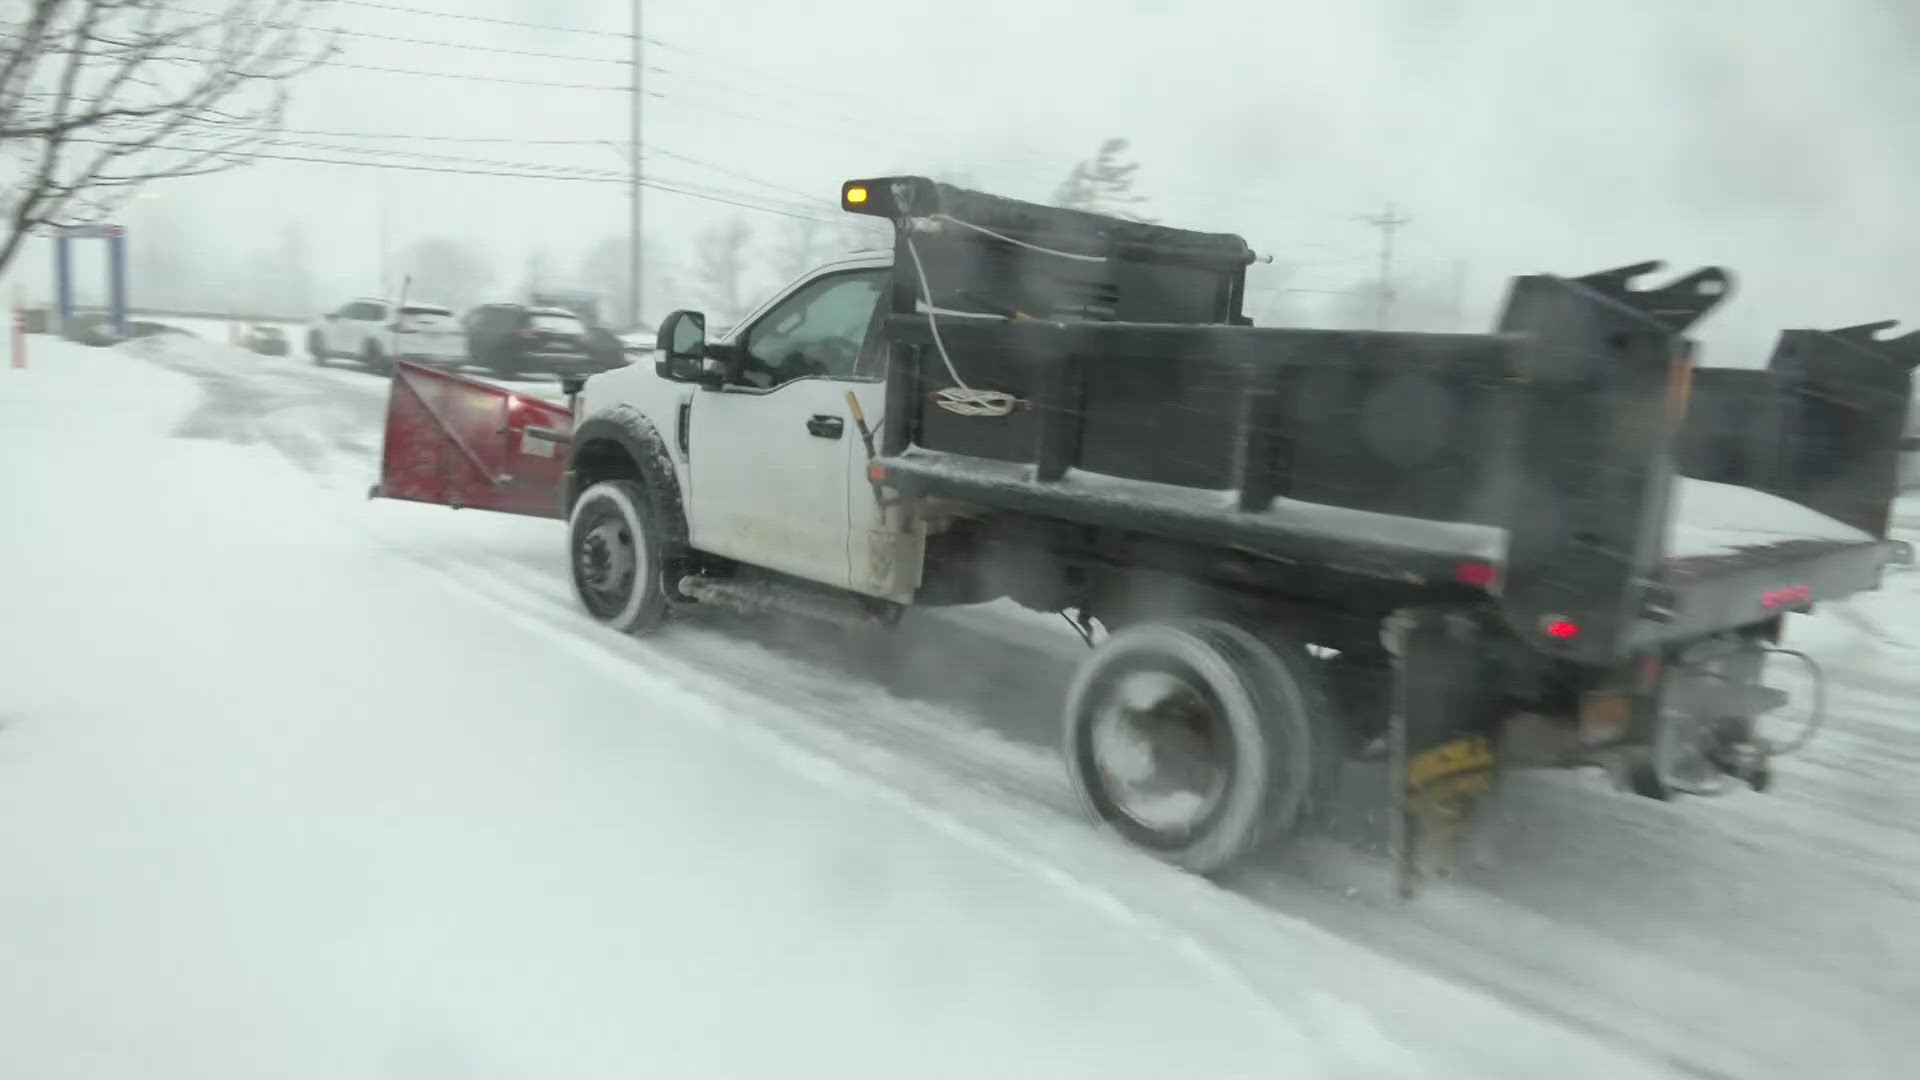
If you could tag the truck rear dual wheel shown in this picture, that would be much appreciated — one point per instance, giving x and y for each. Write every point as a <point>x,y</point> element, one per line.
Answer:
<point>614,545</point>
<point>1200,741</point>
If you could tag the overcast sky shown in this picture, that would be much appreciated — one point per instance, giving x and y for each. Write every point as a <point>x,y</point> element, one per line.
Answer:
<point>1776,137</point>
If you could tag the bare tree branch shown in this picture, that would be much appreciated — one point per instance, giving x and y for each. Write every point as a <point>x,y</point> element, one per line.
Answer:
<point>98,97</point>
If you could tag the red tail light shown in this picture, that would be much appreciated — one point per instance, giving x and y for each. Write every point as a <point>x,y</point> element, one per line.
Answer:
<point>1560,628</point>
<point>1475,572</point>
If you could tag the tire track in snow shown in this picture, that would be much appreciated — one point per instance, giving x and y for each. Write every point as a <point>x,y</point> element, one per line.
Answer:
<point>821,755</point>
<point>1587,978</point>
<point>928,752</point>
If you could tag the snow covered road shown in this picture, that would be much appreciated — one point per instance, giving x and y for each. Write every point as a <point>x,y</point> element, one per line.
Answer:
<point>296,784</point>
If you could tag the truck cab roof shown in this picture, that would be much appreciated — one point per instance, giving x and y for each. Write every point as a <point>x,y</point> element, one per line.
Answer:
<point>875,258</point>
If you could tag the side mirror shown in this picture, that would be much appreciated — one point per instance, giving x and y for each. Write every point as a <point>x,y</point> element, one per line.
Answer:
<point>682,347</point>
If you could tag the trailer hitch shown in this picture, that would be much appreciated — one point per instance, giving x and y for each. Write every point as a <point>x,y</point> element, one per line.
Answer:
<point>1693,756</point>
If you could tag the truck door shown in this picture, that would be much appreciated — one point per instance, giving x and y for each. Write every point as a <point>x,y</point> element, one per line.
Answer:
<point>771,457</point>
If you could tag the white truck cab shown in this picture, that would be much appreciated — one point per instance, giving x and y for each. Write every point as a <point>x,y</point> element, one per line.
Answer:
<point>769,461</point>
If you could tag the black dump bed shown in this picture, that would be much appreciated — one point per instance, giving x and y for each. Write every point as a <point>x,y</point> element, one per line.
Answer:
<point>1539,455</point>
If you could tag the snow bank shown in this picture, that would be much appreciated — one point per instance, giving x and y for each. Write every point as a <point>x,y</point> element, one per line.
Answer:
<point>1714,519</point>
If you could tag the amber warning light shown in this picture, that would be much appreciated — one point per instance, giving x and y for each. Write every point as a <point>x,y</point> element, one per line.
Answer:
<point>864,197</point>
<point>889,196</point>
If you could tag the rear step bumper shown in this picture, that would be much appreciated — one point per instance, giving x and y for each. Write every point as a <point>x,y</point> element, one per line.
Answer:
<point>1706,596</point>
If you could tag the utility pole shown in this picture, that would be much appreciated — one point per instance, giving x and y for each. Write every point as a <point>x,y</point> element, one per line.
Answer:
<point>384,242</point>
<point>633,237</point>
<point>1386,222</point>
<point>1459,291</point>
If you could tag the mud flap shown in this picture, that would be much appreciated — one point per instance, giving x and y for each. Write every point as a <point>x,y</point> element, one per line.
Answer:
<point>1441,762</point>
<point>461,442</point>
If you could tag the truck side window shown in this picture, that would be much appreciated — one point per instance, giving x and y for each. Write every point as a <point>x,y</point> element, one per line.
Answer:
<point>819,330</point>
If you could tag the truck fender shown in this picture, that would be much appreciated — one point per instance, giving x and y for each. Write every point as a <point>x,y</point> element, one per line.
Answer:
<point>622,443</point>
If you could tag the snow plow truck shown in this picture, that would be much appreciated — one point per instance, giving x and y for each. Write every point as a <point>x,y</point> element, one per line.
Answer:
<point>1559,543</point>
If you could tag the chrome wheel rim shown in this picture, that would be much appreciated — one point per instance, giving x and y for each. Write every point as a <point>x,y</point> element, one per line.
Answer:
<point>1160,749</point>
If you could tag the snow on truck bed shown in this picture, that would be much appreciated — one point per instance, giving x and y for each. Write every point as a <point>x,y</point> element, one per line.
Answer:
<point>1719,519</point>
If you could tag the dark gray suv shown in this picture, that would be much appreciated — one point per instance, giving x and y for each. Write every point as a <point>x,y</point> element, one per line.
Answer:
<point>515,339</point>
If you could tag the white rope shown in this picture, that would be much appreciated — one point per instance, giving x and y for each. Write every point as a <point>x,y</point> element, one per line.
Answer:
<point>1003,238</point>
<point>958,398</point>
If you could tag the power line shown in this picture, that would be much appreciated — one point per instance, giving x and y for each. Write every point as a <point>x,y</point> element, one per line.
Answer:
<point>483,19</point>
<point>475,78</point>
<point>689,159</point>
<point>809,200</point>
<point>437,74</point>
<point>414,137</point>
<point>679,189</point>
<point>865,107</point>
<point>861,130</point>
<point>249,154</point>
<point>530,165</point>
<point>483,48</point>
<point>275,133</point>
<point>864,124</point>
<point>811,203</point>
<point>430,41</point>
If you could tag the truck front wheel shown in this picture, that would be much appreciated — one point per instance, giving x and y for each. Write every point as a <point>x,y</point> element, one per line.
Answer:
<point>614,547</point>
<point>1194,740</point>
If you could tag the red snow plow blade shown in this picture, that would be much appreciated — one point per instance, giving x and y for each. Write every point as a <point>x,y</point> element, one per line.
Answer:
<point>464,443</point>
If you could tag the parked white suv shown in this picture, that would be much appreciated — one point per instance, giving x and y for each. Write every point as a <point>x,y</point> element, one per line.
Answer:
<point>374,332</point>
